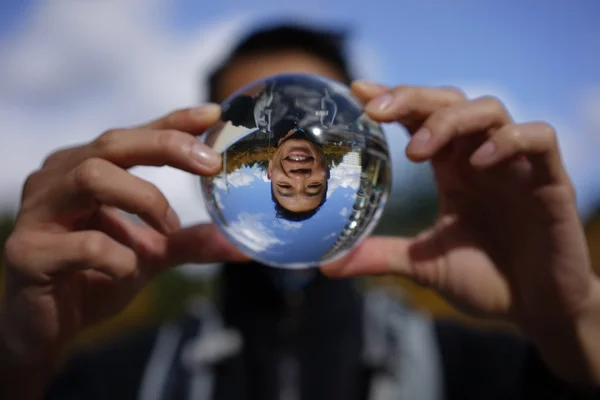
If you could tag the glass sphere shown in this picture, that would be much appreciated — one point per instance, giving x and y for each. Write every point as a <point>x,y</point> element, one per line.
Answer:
<point>306,174</point>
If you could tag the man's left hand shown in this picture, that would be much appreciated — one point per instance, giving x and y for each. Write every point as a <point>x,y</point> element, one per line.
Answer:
<point>508,241</point>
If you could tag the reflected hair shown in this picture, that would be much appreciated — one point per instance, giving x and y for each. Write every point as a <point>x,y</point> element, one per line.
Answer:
<point>326,44</point>
<point>283,213</point>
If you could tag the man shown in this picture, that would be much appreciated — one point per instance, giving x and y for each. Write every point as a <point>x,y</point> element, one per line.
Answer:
<point>508,244</point>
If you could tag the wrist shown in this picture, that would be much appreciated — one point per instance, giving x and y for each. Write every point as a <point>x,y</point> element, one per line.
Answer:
<point>570,347</point>
<point>23,373</point>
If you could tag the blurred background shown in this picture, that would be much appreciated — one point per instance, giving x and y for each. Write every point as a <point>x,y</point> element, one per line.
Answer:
<point>71,69</point>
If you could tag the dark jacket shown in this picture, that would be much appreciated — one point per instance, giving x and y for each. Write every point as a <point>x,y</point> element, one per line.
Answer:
<point>320,343</point>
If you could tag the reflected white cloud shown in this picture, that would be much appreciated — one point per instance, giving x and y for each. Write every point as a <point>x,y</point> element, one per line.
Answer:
<point>261,174</point>
<point>250,230</point>
<point>330,236</point>
<point>344,212</point>
<point>217,197</point>
<point>288,225</point>
<point>237,178</point>
<point>344,176</point>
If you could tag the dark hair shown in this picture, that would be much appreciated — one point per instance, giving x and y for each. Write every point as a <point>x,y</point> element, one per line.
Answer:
<point>328,45</point>
<point>283,213</point>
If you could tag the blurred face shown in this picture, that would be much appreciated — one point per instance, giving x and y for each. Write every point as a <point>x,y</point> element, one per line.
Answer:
<point>298,173</point>
<point>248,69</point>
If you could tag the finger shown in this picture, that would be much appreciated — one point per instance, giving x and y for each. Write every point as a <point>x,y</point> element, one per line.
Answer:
<point>463,119</point>
<point>97,180</point>
<point>192,120</point>
<point>156,148</point>
<point>535,141</point>
<point>197,244</point>
<point>149,145</point>
<point>375,256</point>
<point>411,105</point>
<point>43,254</point>
<point>366,90</point>
<point>202,243</point>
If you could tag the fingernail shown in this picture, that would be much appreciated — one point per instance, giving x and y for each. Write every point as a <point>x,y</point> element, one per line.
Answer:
<point>380,103</point>
<point>205,155</point>
<point>484,153</point>
<point>420,139</point>
<point>367,85</point>
<point>172,220</point>
<point>205,109</point>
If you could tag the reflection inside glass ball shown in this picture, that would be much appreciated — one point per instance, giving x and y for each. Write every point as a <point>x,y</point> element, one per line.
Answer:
<point>305,175</point>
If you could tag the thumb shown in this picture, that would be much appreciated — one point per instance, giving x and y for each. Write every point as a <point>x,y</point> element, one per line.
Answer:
<point>377,255</point>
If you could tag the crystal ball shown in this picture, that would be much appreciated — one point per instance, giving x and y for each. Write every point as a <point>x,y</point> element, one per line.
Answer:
<point>306,173</point>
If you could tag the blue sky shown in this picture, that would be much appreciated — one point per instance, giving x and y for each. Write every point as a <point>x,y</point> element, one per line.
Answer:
<point>542,58</point>
<point>250,216</point>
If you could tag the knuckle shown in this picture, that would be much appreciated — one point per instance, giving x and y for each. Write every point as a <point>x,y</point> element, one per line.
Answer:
<point>107,140</point>
<point>16,247</point>
<point>548,132</point>
<point>405,93</point>
<point>493,103</point>
<point>53,158</point>
<point>153,199</point>
<point>444,118</point>
<point>514,135</point>
<point>31,183</point>
<point>87,172</point>
<point>172,118</point>
<point>167,139</point>
<point>455,94</point>
<point>94,245</point>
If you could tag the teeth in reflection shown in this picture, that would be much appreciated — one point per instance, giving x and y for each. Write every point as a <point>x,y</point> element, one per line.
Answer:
<point>298,158</point>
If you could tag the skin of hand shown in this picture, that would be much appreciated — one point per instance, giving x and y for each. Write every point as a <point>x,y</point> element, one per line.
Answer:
<point>508,242</point>
<point>74,259</point>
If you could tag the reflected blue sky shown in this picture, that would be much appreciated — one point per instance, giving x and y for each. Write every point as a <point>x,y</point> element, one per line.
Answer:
<point>245,201</point>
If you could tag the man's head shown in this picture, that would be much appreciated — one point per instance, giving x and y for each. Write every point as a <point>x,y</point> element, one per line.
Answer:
<point>276,50</point>
<point>298,172</point>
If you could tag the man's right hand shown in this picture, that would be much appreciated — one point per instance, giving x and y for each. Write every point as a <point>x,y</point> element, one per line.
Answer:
<point>74,258</point>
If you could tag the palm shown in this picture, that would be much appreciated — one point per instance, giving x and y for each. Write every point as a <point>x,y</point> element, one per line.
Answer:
<point>75,300</point>
<point>495,229</point>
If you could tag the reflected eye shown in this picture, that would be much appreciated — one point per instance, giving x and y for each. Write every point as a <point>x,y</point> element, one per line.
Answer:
<point>284,185</point>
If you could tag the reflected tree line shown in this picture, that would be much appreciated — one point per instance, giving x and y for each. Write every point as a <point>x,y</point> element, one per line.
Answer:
<point>258,152</point>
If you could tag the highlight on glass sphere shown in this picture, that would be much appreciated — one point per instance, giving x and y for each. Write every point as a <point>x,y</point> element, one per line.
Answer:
<point>306,174</point>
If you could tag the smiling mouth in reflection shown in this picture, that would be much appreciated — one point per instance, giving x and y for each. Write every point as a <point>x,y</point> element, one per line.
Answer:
<point>299,154</point>
<point>299,158</point>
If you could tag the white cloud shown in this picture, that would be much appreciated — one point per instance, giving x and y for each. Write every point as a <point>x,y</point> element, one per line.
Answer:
<point>288,225</point>
<point>250,230</point>
<point>344,212</point>
<point>76,69</point>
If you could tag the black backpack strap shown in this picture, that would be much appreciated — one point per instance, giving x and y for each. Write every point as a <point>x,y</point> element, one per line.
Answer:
<point>401,348</point>
<point>181,365</point>
<point>212,344</point>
